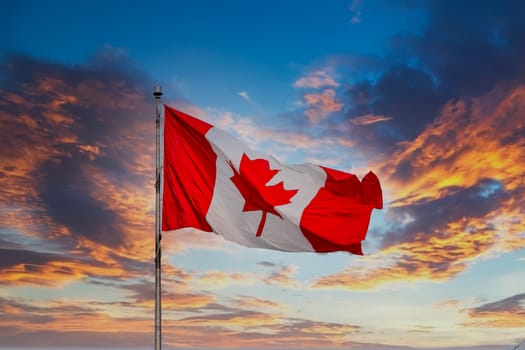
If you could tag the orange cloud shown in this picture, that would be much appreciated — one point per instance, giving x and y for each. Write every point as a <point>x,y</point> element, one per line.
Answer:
<point>175,274</point>
<point>93,151</point>
<point>221,279</point>
<point>459,184</point>
<point>434,256</point>
<point>244,319</point>
<point>257,303</point>
<point>506,313</point>
<point>503,319</point>
<point>20,158</point>
<point>58,320</point>
<point>78,321</point>
<point>321,105</point>
<point>57,272</point>
<point>448,303</point>
<point>53,155</point>
<point>133,204</point>
<point>177,301</point>
<point>469,141</point>
<point>283,277</point>
<point>369,119</point>
<point>229,330</point>
<point>316,79</point>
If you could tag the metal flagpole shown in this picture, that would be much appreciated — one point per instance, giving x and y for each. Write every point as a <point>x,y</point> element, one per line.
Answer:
<point>157,93</point>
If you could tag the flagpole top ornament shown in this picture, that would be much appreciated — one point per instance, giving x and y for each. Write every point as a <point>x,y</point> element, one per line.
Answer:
<point>157,91</point>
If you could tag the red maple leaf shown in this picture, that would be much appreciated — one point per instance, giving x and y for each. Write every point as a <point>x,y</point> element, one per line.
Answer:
<point>251,182</point>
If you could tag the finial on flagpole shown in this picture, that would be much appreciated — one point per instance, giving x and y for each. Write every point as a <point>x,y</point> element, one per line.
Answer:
<point>157,91</point>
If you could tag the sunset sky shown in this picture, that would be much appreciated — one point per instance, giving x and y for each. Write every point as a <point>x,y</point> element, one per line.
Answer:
<point>430,95</point>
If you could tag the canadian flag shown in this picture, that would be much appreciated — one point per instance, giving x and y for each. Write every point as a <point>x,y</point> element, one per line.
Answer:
<point>215,183</point>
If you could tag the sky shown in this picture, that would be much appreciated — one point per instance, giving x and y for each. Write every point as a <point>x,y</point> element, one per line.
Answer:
<point>430,95</point>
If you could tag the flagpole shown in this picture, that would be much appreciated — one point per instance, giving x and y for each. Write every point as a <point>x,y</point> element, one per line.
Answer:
<point>157,93</point>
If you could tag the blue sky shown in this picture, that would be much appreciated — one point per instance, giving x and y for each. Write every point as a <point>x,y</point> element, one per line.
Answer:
<point>429,95</point>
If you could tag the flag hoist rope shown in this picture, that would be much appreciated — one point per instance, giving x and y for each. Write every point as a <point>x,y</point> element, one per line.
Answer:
<point>157,93</point>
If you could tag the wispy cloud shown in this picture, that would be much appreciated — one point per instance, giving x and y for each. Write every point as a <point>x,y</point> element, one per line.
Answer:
<point>247,302</point>
<point>369,119</point>
<point>263,329</point>
<point>244,94</point>
<point>355,11</point>
<point>268,137</point>
<point>221,279</point>
<point>283,276</point>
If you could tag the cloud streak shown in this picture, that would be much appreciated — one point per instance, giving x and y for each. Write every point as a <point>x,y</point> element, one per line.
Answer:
<point>369,119</point>
<point>505,313</point>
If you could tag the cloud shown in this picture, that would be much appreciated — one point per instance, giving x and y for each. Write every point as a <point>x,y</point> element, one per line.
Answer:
<point>355,11</point>
<point>459,183</point>
<point>20,310</point>
<point>407,95</point>
<point>246,319</point>
<point>276,140</point>
<point>221,279</point>
<point>261,329</point>
<point>23,267</point>
<point>470,141</point>
<point>76,172</point>
<point>505,313</point>
<point>283,276</point>
<point>89,323</point>
<point>448,303</point>
<point>422,71</point>
<point>320,105</point>
<point>369,119</point>
<point>29,323</point>
<point>471,155</point>
<point>244,94</point>
<point>437,257</point>
<point>143,297</point>
<point>267,264</point>
<point>450,157</point>
<point>247,302</point>
<point>477,52</point>
<point>317,79</point>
